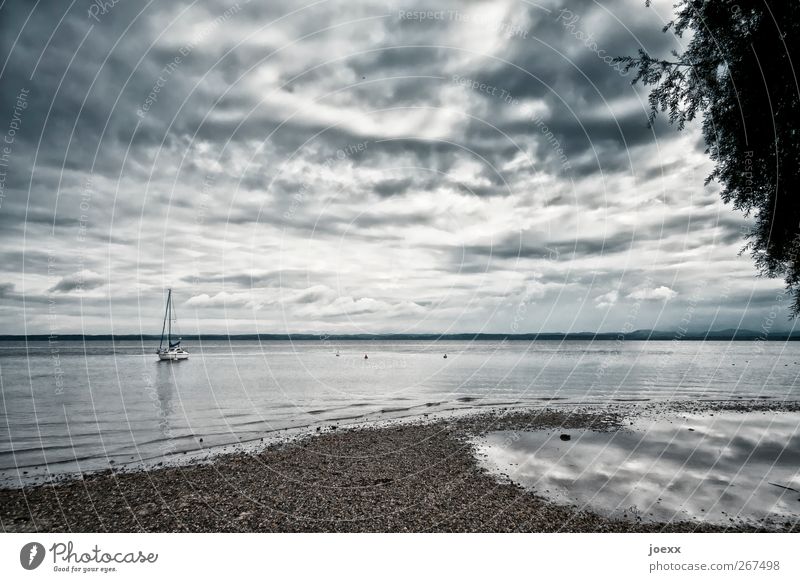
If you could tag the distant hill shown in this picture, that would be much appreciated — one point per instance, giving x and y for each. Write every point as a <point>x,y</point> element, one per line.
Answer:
<point>637,335</point>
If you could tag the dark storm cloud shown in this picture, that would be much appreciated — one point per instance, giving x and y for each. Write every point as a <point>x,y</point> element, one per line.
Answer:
<point>76,78</point>
<point>392,187</point>
<point>285,278</point>
<point>129,85</point>
<point>560,56</point>
<point>83,281</point>
<point>398,60</point>
<point>579,88</point>
<point>515,247</point>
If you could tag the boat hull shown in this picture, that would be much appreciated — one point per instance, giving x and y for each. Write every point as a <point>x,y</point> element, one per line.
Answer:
<point>173,356</point>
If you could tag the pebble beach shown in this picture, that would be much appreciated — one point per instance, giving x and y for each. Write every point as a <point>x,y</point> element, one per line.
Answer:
<point>411,476</point>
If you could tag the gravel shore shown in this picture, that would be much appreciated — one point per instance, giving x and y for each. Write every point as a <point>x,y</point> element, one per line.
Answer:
<point>412,476</point>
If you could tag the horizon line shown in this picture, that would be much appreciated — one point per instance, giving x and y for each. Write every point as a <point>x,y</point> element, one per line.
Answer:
<point>637,335</point>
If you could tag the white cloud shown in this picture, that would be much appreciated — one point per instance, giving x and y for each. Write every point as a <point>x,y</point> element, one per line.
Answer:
<point>226,299</point>
<point>662,293</point>
<point>606,299</point>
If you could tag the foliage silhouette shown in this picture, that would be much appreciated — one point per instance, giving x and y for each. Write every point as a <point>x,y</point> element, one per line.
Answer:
<point>739,72</point>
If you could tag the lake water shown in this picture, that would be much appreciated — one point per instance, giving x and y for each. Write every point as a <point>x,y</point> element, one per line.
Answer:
<point>726,468</point>
<point>70,406</point>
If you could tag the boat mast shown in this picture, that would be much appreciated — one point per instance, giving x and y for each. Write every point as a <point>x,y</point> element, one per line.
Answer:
<point>169,335</point>
<point>164,324</point>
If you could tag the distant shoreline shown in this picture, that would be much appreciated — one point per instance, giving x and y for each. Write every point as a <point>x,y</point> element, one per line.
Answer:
<point>638,335</point>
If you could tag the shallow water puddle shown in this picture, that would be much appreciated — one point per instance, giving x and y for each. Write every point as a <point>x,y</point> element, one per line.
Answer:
<point>726,468</point>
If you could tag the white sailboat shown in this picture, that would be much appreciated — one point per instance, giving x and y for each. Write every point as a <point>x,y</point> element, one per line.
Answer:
<point>173,350</point>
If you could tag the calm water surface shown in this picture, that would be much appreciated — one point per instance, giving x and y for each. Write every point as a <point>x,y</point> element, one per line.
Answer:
<point>72,406</point>
<point>726,468</point>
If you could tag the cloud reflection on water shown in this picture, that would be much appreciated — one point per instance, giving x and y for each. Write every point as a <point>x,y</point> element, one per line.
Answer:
<point>722,468</point>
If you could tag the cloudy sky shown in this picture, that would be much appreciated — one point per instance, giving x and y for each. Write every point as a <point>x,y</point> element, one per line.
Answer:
<point>343,166</point>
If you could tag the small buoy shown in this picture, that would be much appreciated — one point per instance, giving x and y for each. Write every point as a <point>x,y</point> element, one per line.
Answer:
<point>366,357</point>
<point>445,356</point>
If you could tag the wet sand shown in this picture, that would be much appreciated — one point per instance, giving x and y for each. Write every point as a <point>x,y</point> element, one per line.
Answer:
<point>412,476</point>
